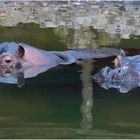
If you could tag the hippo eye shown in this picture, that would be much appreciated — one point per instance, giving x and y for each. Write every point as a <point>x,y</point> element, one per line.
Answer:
<point>107,71</point>
<point>119,71</point>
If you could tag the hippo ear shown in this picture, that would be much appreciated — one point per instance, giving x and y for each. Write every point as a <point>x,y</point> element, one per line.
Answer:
<point>122,53</point>
<point>21,51</point>
<point>20,79</point>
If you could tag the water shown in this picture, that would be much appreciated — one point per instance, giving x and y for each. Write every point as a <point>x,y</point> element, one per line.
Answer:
<point>65,102</point>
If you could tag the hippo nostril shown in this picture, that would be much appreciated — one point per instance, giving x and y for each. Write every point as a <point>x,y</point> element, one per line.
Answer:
<point>18,66</point>
<point>7,72</point>
<point>7,61</point>
<point>107,71</point>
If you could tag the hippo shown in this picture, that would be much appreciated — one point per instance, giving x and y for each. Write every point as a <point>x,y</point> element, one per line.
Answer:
<point>19,61</point>
<point>124,77</point>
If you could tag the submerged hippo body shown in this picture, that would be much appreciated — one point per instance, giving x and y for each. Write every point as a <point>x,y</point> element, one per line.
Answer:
<point>19,61</point>
<point>125,76</point>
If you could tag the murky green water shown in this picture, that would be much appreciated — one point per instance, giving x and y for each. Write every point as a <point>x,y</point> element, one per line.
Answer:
<point>64,102</point>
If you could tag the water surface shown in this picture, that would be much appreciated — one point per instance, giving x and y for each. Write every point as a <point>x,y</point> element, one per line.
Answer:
<point>64,102</point>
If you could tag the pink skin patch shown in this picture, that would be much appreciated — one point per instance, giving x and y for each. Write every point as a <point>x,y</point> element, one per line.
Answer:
<point>117,62</point>
<point>125,68</point>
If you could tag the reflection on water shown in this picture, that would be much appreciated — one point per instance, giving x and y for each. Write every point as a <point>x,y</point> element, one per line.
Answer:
<point>87,96</point>
<point>124,76</point>
<point>123,86</point>
<point>123,81</point>
<point>81,38</point>
<point>51,103</point>
<point>119,17</point>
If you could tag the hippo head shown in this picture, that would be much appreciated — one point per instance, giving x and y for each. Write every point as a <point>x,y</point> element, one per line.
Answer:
<point>122,78</point>
<point>11,57</point>
<point>11,60</point>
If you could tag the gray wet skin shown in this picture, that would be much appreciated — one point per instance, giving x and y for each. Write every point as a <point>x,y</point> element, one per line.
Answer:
<point>125,75</point>
<point>19,61</point>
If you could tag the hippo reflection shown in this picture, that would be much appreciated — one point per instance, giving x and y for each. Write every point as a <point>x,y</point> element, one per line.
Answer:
<point>19,61</point>
<point>125,76</point>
